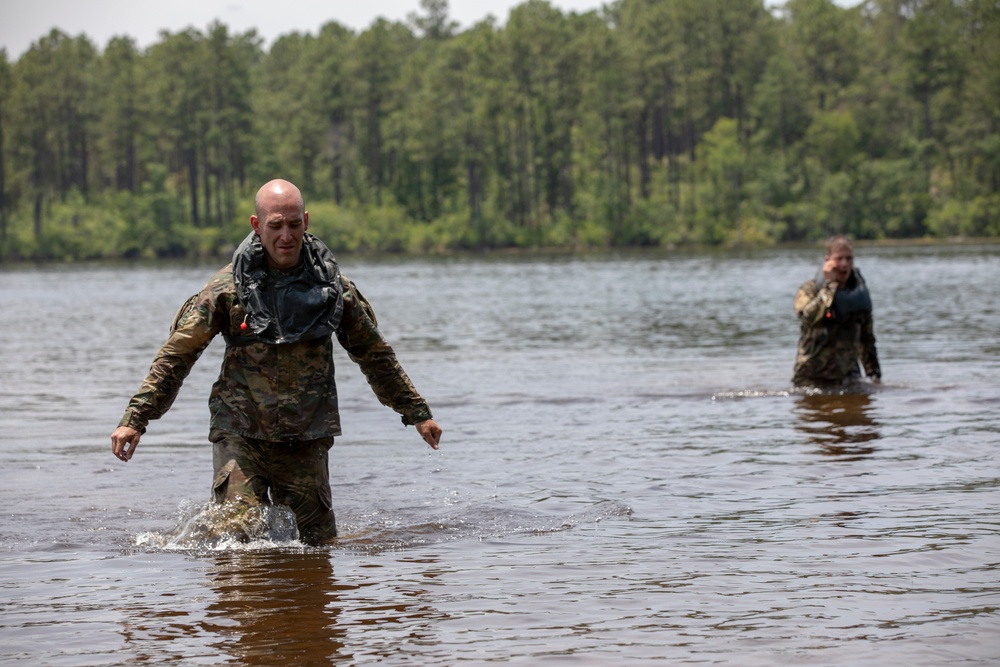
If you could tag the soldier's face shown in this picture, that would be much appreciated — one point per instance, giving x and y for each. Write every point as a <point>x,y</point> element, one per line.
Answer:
<point>843,263</point>
<point>281,230</point>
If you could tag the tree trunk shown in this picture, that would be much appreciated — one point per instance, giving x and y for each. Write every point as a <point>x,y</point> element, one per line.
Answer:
<point>193,186</point>
<point>642,146</point>
<point>37,217</point>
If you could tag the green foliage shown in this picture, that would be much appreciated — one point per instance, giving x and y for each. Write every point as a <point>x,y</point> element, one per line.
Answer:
<point>780,104</point>
<point>832,138</point>
<point>642,124</point>
<point>373,229</point>
<point>977,218</point>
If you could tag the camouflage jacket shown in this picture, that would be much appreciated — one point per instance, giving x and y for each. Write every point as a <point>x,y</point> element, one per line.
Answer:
<point>271,392</point>
<point>830,347</point>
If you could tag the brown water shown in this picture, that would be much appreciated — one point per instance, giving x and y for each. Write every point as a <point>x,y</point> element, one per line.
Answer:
<point>625,475</point>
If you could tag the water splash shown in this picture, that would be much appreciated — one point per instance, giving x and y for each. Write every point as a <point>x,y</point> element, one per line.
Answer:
<point>226,526</point>
<point>860,387</point>
<point>751,393</point>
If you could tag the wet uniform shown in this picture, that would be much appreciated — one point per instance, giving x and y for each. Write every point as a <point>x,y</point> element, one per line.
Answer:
<point>836,333</point>
<point>274,406</point>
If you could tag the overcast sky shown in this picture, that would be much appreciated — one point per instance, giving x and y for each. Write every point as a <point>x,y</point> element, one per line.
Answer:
<point>23,22</point>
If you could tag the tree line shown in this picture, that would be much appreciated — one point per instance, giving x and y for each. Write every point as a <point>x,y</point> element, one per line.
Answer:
<point>647,123</point>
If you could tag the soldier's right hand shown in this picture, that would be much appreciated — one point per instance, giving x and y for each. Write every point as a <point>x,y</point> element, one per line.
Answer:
<point>123,442</point>
<point>829,270</point>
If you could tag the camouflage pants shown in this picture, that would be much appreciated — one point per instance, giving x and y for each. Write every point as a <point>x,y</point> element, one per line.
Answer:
<point>294,474</point>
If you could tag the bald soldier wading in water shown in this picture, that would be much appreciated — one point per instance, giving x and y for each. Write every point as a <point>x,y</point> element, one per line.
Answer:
<point>274,406</point>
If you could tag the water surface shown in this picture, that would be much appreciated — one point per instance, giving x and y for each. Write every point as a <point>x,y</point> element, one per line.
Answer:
<point>625,476</point>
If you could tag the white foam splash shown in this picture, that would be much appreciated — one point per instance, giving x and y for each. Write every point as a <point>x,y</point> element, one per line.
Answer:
<point>226,526</point>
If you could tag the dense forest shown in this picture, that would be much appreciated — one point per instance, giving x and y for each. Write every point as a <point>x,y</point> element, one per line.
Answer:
<point>648,123</point>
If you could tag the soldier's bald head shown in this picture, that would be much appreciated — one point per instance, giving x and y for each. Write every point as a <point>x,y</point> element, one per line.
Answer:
<point>274,192</point>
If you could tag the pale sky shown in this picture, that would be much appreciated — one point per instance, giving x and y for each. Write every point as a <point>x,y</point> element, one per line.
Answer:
<point>23,22</point>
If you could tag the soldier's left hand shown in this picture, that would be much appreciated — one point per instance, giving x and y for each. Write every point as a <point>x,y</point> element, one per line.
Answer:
<point>430,432</point>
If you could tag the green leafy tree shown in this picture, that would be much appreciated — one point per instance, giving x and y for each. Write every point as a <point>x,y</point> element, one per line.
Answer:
<point>434,24</point>
<point>121,107</point>
<point>826,40</point>
<point>52,119</point>
<point>723,166</point>
<point>5,91</point>
<point>780,106</point>
<point>334,92</point>
<point>226,125</point>
<point>287,128</point>
<point>646,122</point>
<point>178,97</point>
<point>381,54</point>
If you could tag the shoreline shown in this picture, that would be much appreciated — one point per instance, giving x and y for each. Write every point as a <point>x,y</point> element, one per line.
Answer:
<point>538,251</point>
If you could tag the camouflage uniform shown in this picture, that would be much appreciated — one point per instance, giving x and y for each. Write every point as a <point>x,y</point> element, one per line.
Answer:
<point>830,347</point>
<point>274,405</point>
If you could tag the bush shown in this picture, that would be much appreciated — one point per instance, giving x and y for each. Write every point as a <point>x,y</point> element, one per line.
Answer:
<point>979,217</point>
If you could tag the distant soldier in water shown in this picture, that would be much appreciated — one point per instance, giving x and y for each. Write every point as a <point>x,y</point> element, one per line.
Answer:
<point>274,407</point>
<point>835,312</point>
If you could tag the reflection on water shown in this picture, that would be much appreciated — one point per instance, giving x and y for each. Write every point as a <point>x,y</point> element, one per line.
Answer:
<point>840,423</point>
<point>288,608</point>
<point>276,608</point>
<point>264,608</point>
